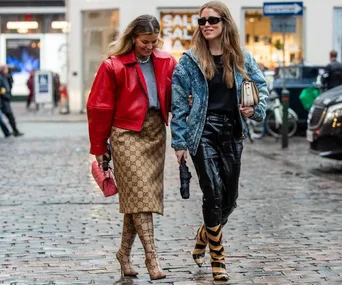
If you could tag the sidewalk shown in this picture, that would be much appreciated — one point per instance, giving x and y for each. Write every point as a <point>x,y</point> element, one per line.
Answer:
<point>44,114</point>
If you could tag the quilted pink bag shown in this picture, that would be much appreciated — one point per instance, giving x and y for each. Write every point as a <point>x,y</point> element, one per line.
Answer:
<point>105,180</point>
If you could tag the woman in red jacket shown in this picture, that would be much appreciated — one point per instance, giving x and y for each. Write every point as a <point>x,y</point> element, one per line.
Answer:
<point>129,103</point>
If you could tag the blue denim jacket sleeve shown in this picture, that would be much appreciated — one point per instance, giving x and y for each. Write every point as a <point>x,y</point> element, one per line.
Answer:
<point>258,78</point>
<point>180,106</point>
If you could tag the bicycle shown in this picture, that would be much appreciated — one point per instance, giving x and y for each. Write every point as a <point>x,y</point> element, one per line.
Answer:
<point>273,121</point>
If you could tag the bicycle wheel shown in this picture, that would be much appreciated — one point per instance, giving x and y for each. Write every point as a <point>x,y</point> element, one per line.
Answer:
<point>275,130</point>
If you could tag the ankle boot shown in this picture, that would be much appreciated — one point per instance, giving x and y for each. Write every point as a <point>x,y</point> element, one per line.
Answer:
<point>144,226</point>
<point>201,243</point>
<point>218,265</point>
<point>124,253</point>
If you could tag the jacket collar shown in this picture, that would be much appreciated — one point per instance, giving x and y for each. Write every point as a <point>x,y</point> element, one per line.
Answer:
<point>130,58</point>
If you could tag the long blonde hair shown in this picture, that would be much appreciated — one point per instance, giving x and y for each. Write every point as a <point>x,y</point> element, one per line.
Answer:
<point>232,52</point>
<point>142,25</point>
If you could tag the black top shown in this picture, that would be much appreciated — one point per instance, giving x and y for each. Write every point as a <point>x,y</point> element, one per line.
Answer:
<point>221,98</point>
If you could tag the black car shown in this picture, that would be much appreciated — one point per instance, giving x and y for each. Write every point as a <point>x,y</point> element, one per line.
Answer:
<point>324,130</point>
<point>297,78</point>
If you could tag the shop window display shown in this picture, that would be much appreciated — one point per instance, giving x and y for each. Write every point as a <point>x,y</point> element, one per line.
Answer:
<point>177,28</point>
<point>266,46</point>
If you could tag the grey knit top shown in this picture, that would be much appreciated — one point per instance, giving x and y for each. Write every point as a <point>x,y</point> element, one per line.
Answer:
<point>150,79</point>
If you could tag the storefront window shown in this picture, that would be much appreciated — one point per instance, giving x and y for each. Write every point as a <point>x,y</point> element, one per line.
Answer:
<point>266,46</point>
<point>33,24</point>
<point>177,28</point>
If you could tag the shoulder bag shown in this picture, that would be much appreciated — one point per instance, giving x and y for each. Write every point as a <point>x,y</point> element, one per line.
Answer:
<point>249,93</point>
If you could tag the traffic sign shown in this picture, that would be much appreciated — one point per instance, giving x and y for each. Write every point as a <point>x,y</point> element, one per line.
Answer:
<point>283,24</point>
<point>283,9</point>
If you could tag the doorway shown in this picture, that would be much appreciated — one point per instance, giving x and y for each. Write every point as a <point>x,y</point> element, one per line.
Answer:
<point>100,28</point>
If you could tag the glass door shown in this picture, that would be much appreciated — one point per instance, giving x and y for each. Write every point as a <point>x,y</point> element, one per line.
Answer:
<point>100,27</point>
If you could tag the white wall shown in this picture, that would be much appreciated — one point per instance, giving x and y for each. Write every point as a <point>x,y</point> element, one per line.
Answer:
<point>318,28</point>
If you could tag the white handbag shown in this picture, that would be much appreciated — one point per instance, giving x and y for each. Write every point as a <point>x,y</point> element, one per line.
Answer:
<point>249,94</point>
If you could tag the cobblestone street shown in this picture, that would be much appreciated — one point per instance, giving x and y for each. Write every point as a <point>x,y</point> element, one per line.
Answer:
<point>57,228</point>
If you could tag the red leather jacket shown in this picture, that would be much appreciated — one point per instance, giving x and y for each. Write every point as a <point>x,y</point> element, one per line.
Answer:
<point>119,98</point>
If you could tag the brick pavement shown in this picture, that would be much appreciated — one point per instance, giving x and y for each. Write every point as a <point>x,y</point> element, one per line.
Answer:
<point>56,228</point>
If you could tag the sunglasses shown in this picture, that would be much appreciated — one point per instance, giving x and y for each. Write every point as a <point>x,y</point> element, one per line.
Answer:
<point>210,20</point>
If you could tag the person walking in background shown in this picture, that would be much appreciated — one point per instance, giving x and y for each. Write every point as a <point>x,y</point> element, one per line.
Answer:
<point>5,97</point>
<point>129,102</point>
<point>30,86</point>
<point>333,72</point>
<point>213,71</point>
<point>3,126</point>
<point>56,87</point>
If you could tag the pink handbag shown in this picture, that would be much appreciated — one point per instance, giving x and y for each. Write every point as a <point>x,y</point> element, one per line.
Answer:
<point>105,180</point>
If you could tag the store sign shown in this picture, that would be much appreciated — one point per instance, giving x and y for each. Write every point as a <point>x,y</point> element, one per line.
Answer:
<point>177,28</point>
<point>43,87</point>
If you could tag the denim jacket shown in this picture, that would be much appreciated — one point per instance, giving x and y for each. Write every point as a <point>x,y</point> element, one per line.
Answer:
<point>188,78</point>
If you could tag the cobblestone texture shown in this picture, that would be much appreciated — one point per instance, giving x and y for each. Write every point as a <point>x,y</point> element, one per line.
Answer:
<point>57,228</point>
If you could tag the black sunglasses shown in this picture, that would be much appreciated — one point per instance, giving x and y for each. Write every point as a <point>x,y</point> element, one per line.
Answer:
<point>211,20</point>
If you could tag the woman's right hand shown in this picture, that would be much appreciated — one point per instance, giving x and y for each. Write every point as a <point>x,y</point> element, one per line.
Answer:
<point>99,158</point>
<point>180,154</point>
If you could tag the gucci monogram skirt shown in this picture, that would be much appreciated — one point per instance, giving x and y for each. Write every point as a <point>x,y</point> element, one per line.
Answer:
<point>138,159</point>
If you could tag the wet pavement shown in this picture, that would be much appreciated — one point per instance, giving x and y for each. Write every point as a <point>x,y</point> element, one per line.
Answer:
<point>57,228</point>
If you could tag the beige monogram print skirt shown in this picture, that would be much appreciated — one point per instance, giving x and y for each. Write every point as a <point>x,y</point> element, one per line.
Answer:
<point>138,159</point>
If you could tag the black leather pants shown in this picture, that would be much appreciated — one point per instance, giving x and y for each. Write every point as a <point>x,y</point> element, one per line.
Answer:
<point>218,163</point>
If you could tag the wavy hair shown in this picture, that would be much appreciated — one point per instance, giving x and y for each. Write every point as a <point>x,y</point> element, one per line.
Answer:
<point>142,25</point>
<point>232,52</point>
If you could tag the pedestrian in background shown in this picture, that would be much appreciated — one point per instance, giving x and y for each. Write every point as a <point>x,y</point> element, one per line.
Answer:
<point>213,71</point>
<point>129,102</point>
<point>30,86</point>
<point>6,83</point>
<point>333,72</point>
<point>56,87</point>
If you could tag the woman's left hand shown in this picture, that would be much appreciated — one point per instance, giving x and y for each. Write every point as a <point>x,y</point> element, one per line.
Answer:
<point>247,111</point>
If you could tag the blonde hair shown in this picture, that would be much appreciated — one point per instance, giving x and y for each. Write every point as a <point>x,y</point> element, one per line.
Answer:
<point>232,52</point>
<point>142,25</point>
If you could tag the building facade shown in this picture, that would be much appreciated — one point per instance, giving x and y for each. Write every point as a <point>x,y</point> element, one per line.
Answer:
<point>95,23</point>
<point>32,37</point>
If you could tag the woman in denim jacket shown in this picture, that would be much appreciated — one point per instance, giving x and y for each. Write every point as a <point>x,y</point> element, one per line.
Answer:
<point>213,127</point>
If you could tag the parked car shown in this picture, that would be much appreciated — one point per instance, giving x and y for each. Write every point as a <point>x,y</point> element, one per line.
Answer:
<point>325,124</point>
<point>297,78</point>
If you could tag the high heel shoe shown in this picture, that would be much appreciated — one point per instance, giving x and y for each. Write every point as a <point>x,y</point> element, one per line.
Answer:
<point>153,266</point>
<point>201,243</point>
<point>218,265</point>
<point>125,264</point>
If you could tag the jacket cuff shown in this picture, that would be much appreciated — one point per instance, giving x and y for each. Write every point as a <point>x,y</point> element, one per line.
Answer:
<point>98,149</point>
<point>179,147</point>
